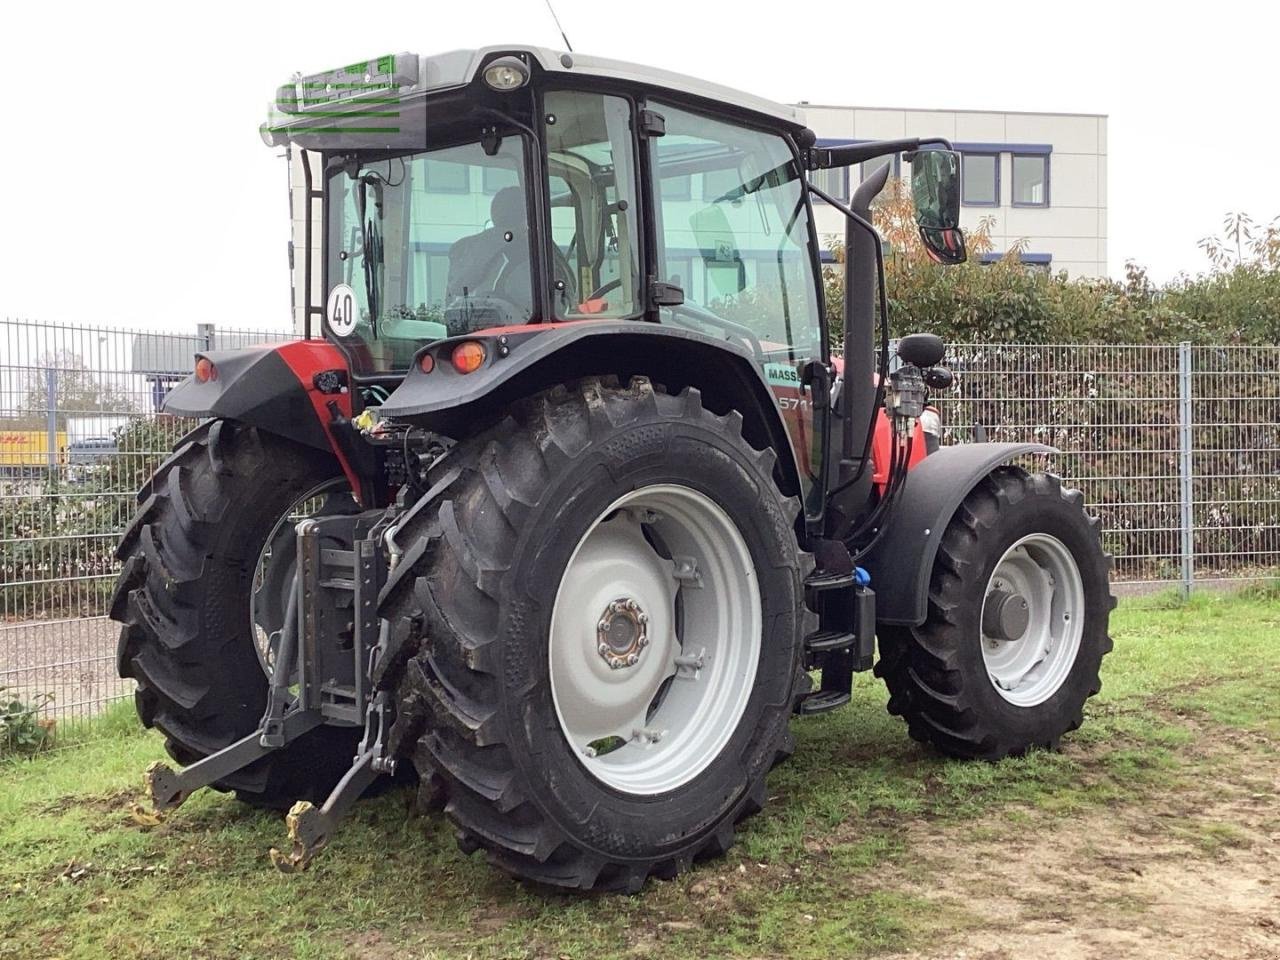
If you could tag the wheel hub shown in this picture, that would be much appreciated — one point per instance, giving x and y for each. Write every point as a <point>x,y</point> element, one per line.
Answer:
<point>622,633</point>
<point>273,578</point>
<point>1005,615</point>
<point>1032,619</point>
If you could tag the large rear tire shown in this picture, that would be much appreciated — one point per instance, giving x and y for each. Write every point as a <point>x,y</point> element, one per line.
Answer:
<point>183,596</point>
<point>1019,602</point>
<point>573,751</point>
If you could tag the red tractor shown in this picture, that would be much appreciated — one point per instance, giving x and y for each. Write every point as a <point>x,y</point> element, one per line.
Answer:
<point>571,510</point>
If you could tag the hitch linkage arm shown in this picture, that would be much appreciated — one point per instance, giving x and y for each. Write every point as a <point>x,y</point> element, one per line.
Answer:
<point>290,714</point>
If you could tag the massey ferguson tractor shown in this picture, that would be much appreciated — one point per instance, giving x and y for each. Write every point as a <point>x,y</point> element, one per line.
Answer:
<point>563,505</point>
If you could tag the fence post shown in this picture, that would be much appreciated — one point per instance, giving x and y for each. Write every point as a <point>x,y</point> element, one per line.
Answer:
<point>51,417</point>
<point>205,334</point>
<point>1185,487</point>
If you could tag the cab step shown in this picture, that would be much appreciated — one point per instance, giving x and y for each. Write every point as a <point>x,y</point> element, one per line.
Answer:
<point>824,641</point>
<point>822,701</point>
<point>844,642</point>
<point>819,582</point>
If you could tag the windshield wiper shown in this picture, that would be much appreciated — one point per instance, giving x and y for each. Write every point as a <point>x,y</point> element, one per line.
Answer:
<point>371,238</point>
<point>770,178</point>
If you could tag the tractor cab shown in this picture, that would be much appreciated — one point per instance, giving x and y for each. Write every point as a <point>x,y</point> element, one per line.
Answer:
<point>511,187</point>
<point>518,190</point>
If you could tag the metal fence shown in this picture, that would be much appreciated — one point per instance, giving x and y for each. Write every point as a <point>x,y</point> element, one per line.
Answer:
<point>1177,448</point>
<point>80,432</point>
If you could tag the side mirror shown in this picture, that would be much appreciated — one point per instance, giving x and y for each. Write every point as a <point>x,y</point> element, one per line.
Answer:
<point>935,186</point>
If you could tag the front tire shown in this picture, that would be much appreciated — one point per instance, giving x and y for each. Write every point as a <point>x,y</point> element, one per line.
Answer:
<point>1019,601</point>
<point>532,705</point>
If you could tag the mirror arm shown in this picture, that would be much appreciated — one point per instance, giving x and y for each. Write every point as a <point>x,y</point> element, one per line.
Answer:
<point>822,158</point>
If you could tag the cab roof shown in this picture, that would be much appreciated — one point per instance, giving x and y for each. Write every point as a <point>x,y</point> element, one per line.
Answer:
<point>327,101</point>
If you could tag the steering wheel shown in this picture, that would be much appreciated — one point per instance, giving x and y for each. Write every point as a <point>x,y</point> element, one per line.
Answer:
<point>611,285</point>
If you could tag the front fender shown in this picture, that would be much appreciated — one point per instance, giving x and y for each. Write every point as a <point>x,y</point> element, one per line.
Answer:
<point>901,562</point>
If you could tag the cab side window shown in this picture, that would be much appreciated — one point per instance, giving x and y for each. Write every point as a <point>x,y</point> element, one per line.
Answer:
<point>734,233</point>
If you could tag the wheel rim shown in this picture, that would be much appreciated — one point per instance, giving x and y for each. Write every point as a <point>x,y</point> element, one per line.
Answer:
<point>277,561</point>
<point>655,639</point>
<point>1032,619</point>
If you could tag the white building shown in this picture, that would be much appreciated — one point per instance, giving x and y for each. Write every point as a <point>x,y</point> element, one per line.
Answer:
<point>1041,177</point>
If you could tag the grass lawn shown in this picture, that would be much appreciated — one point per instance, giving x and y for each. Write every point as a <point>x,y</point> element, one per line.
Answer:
<point>864,833</point>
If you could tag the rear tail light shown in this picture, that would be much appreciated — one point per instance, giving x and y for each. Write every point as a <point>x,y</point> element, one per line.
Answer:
<point>468,356</point>
<point>205,370</point>
<point>426,363</point>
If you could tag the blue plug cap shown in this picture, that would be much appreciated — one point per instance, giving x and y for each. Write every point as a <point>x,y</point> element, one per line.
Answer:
<point>861,577</point>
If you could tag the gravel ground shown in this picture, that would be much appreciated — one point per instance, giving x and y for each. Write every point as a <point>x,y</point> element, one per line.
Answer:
<point>72,659</point>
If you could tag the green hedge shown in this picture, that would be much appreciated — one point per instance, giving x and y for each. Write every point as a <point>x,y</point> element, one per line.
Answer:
<point>1236,300</point>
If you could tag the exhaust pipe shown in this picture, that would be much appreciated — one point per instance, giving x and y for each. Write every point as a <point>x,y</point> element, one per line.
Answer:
<point>857,396</point>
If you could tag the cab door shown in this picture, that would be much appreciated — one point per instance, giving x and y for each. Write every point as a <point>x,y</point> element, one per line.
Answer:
<point>733,232</point>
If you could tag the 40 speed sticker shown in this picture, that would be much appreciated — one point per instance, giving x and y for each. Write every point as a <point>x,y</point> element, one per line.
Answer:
<point>340,310</point>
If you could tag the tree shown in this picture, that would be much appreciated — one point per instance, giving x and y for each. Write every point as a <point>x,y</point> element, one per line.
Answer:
<point>1239,297</point>
<point>77,390</point>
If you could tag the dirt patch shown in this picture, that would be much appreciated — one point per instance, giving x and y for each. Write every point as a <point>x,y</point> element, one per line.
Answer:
<point>1192,875</point>
<point>116,801</point>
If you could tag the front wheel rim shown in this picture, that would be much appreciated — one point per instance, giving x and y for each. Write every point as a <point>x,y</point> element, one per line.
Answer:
<point>1033,619</point>
<point>655,639</point>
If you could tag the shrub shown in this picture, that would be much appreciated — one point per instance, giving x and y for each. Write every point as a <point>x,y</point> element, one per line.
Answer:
<point>59,555</point>
<point>21,729</point>
<point>1236,301</point>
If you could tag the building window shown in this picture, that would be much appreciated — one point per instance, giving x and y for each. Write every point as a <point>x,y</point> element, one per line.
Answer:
<point>444,176</point>
<point>1032,262</point>
<point>833,180</point>
<point>717,184</point>
<point>871,166</point>
<point>680,272</point>
<point>495,178</point>
<point>679,187</point>
<point>1030,181</point>
<point>980,179</point>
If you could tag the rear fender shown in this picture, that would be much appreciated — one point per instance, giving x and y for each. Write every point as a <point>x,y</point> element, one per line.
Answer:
<point>901,562</point>
<point>520,361</point>
<point>273,388</point>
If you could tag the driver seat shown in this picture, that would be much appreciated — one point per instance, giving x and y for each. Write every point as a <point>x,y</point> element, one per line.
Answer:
<point>495,260</point>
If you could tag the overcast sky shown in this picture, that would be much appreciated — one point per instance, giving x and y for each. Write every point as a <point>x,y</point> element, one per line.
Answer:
<point>138,193</point>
